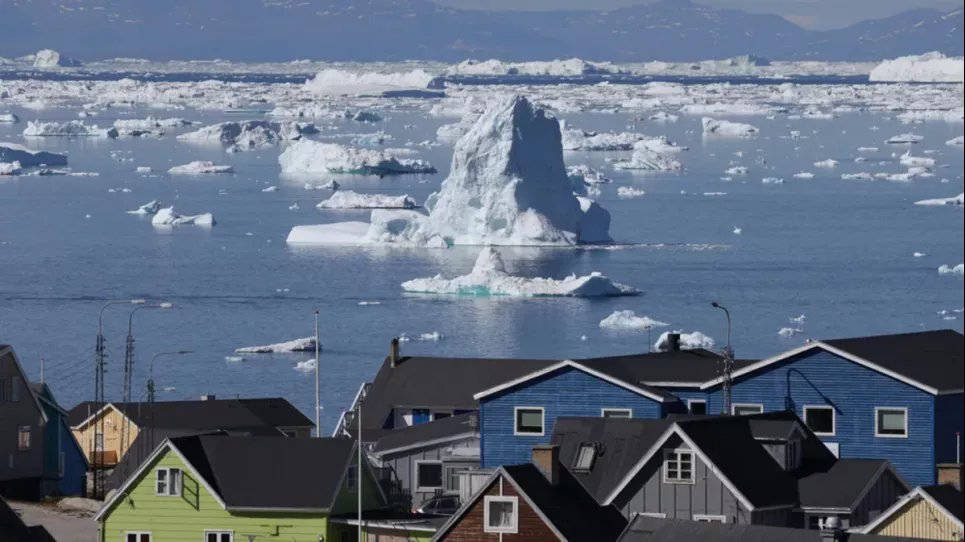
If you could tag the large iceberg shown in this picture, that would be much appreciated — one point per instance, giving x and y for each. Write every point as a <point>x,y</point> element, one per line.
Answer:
<point>10,168</point>
<point>199,167</point>
<point>414,83</point>
<point>297,345</point>
<point>48,58</point>
<point>507,186</point>
<point>347,199</point>
<point>489,277</point>
<point>72,128</point>
<point>249,135</point>
<point>314,157</point>
<point>12,152</point>
<point>931,67</point>
<point>956,200</point>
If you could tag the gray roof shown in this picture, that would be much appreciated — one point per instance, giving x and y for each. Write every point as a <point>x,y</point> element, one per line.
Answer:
<point>692,367</point>
<point>253,415</point>
<point>840,485</point>
<point>647,529</point>
<point>140,449</point>
<point>933,358</point>
<point>291,473</point>
<point>424,433</point>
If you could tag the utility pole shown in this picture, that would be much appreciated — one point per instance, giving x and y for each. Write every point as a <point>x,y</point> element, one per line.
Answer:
<point>129,370</point>
<point>728,364</point>
<point>358,477</point>
<point>41,368</point>
<point>318,427</point>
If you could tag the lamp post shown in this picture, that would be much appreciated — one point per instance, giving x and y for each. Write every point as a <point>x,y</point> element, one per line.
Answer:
<point>129,365</point>
<point>150,377</point>
<point>728,362</point>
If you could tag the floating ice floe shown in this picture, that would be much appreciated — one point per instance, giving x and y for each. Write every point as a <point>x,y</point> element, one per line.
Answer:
<point>646,157</point>
<point>73,128</point>
<point>314,157</point>
<point>347,199</point>
<point>803,175</point>
<point>580,140</point>
<point>829,163</point>
<point>688,341</point>
<point>952,270</point>
<point>736,170</point>
<point>931,67</point>
<point>414,83</point>
<point>726,128</point>
<point>507,186</point>
<point>956,141</point>
<point>772,180</point>
<point>249,135</point>
<point>904,139</point>
<point>628,320</point>
<point>918,254</point>
<point>9,118</point>
<point>298,345</point>
<point>199,167</point>
<point>629,192</point>
<point>489,277</point>
<point>862,176</point>
<point>167,217</point>
<point>556,68</point>
<point>149,208</point>
<point>663,116</point>
<point>586,174</point>
<point>789,331</point>
<point>13,152</point>
<point>955,200</point>
<point>363,116</point>
<point>916,161</point>
<point>305,365</point>
<point>10,168</point>
<point>800,319</point>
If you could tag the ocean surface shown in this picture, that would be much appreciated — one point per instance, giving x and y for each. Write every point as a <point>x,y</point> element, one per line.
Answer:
<point>838,251</point>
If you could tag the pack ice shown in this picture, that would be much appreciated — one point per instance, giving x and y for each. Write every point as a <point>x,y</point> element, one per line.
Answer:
<point>314,157</point>
<point>489,277</point>
<point>507,186</point>
<point>73,128</point>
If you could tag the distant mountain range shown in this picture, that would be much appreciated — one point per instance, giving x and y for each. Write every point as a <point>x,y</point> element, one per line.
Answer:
<point>392,30</point>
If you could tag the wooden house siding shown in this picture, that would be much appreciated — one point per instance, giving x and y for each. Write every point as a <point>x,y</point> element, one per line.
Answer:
<point>855,391</point>
<point>21,471</point>
<point>648,493</point>
<point>469,527</point>
<point>919,519</point>
<point>110,421</point>
<point>404,466</point>
<point>567,392</point>
<point>883,494</point>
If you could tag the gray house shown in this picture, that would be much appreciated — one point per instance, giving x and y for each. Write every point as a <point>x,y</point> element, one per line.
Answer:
<point>766,469</point>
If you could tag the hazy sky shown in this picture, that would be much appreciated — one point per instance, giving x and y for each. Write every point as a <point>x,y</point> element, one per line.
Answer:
<point>816,14</point>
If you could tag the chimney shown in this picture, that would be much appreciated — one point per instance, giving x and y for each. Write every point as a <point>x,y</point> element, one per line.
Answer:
<point>673,342</point>
<point>394,352</point>
<point>950,473</point>
<point>832,531</point>
<point>207,397</point>
<point>546,458</point>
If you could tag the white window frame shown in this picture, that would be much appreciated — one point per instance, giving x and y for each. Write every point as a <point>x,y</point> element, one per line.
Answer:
<point>834,419</point>
<point>710,518</point>
<point>542,413</point>
<point>229,532</point>
<point>690,402</point>
<point>167,481</point>
<point>658,515</point>
<point>903,410</point>
<point>442,475</point>
<point>514,528</point>
<point>579,454</point>
<point>693,466</point>
<point>138,534</point>
<point>627,411</point>
<point>735,406</point>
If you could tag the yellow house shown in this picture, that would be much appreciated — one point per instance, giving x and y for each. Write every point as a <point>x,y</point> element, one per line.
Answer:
<point>933,513</point>
<point>107,431</point>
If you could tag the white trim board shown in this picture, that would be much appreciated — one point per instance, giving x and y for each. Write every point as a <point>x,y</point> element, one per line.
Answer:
<point>901,503</point>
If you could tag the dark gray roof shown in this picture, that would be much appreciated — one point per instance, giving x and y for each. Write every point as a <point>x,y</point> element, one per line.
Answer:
<point>567,506</point>
<point>840,485</point>
<point>292,473</point>
<point>414,435</point>
<point>692,367</point>
<point>949,497</point>
<point>933,358</point>
<point>140,449</point>
<point>647,529</point>
<point>254,415</point>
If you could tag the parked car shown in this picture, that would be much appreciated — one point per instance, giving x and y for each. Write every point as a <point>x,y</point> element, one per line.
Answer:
<point>443,505</point>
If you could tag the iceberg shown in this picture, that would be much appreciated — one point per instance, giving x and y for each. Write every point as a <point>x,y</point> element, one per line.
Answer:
<point>952,270</point>
<point>489,277</point>
<point>916,161</point>
<point>645,157</point>
<point>829,163</point>
<point>347,199</point>
<point>414,83</point>
<point>904,139</point>
<point>12,152</point>
<point>298,345</point>
<point>628,320</point>
<point>628,192</point>
<point>199,167</point>
<point>9,118</point>
<point>314,157</point>
<point>554,68</point>
<point>149,208</point>
<point>956,200</point>
<point>10,168</point>
<point>249,135</point>
<point>582,173</point>
<point>787,332</point>
<point>726,128</point>
<point>956,141</point>
<point>688,341</point>
<point>579,140</point>
<point>339,233</point>
<point>931,67</point>
<point>48,58</point>
<point>167,217</point>
<point>73,128</point>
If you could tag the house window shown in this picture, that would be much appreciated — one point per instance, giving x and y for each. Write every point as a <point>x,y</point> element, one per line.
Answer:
<point>792,454</point>
<point>421,416</point>
<point>501,514</point>
<point>219,536</point>
<point>99,442</point>
<point>23,438</point>
<point>137,537</point>
<point>352,477</point>
<point>820,419</point>
<point>428,475</point>
<point>696,406</point>
<point>746,409</point>
<point>168,482</point>
<point>585,457</point>
<point>529,421</point>
<point>623,413</point>
<point>704,518</point>
<point>891,422</point>
<point>678,467</point>
<point>15,388</point>
<point>442,414</point>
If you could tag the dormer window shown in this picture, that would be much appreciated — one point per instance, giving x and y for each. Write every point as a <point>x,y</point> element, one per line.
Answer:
<point>678,467</point>
<point>585,457</point>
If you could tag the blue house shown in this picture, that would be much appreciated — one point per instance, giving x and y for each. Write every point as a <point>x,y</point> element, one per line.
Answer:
<point>895,397</point>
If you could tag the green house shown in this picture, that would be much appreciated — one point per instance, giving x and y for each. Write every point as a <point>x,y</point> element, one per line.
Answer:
<point>219,488</point>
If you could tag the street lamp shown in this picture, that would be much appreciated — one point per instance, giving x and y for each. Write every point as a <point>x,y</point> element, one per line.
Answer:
<point>129,363</point>
<point>728,362</point>
<point>150,378</point>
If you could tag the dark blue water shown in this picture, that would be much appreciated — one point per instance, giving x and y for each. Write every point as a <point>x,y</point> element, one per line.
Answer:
<point>838,251</point>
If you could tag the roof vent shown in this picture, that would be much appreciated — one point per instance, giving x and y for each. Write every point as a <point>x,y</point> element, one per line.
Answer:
<point>832,530</point>
<point>394,353</point>
<point>673,342</point>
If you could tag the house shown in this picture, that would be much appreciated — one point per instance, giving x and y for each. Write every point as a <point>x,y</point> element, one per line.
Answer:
<point>14,529</point>
<point>38,455</point>
<point>112,428</point>
<point>532,502</point>
<point>933,512</point>
<point>649,529</point>
<point>766,469</point>
<point>221,488</point>
<point>896,397</point>
<point>422,461</point>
